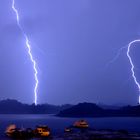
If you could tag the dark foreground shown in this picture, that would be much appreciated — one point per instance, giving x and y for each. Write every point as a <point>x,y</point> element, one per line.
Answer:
<point>98,135</point>
<point>91,134</point>
<point>104,128</point>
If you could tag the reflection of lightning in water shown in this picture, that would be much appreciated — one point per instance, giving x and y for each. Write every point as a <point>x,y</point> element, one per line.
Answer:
<point>132,65</point>
<point>29,52</point>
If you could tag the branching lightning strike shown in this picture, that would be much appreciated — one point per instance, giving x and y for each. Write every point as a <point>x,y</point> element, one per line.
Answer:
<point>131,62</point>
<point>29,52</point>
<point>116,57</point>
<point>132,65</point>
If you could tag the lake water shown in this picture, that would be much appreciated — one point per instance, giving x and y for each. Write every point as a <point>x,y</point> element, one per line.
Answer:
<point>58,124</point>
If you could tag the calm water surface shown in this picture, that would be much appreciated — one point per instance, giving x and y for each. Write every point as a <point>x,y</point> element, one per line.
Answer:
<point>58,124</point>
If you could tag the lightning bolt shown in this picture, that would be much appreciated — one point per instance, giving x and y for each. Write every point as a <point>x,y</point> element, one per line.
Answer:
<point>130,61</point>
<point>132,65</point>
<point>116,57</point>
<point>27,42</point>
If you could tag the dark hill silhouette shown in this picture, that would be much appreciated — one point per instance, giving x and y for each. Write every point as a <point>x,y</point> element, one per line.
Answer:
<point>82,109</point>
<point>14,107</point>
<point>92,110</point>
<point>131,110</point>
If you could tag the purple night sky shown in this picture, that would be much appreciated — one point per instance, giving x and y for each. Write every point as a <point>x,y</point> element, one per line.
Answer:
<point>72,41</point>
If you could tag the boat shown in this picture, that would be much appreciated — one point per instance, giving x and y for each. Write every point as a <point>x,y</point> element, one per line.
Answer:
<point>10,130</point>
<point>13,131</point>
<point>68,129</point>
<point>42,131</point>
<point>81,124</point>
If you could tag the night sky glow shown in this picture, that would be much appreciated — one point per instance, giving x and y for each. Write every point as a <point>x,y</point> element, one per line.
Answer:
<point>59,51</point>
